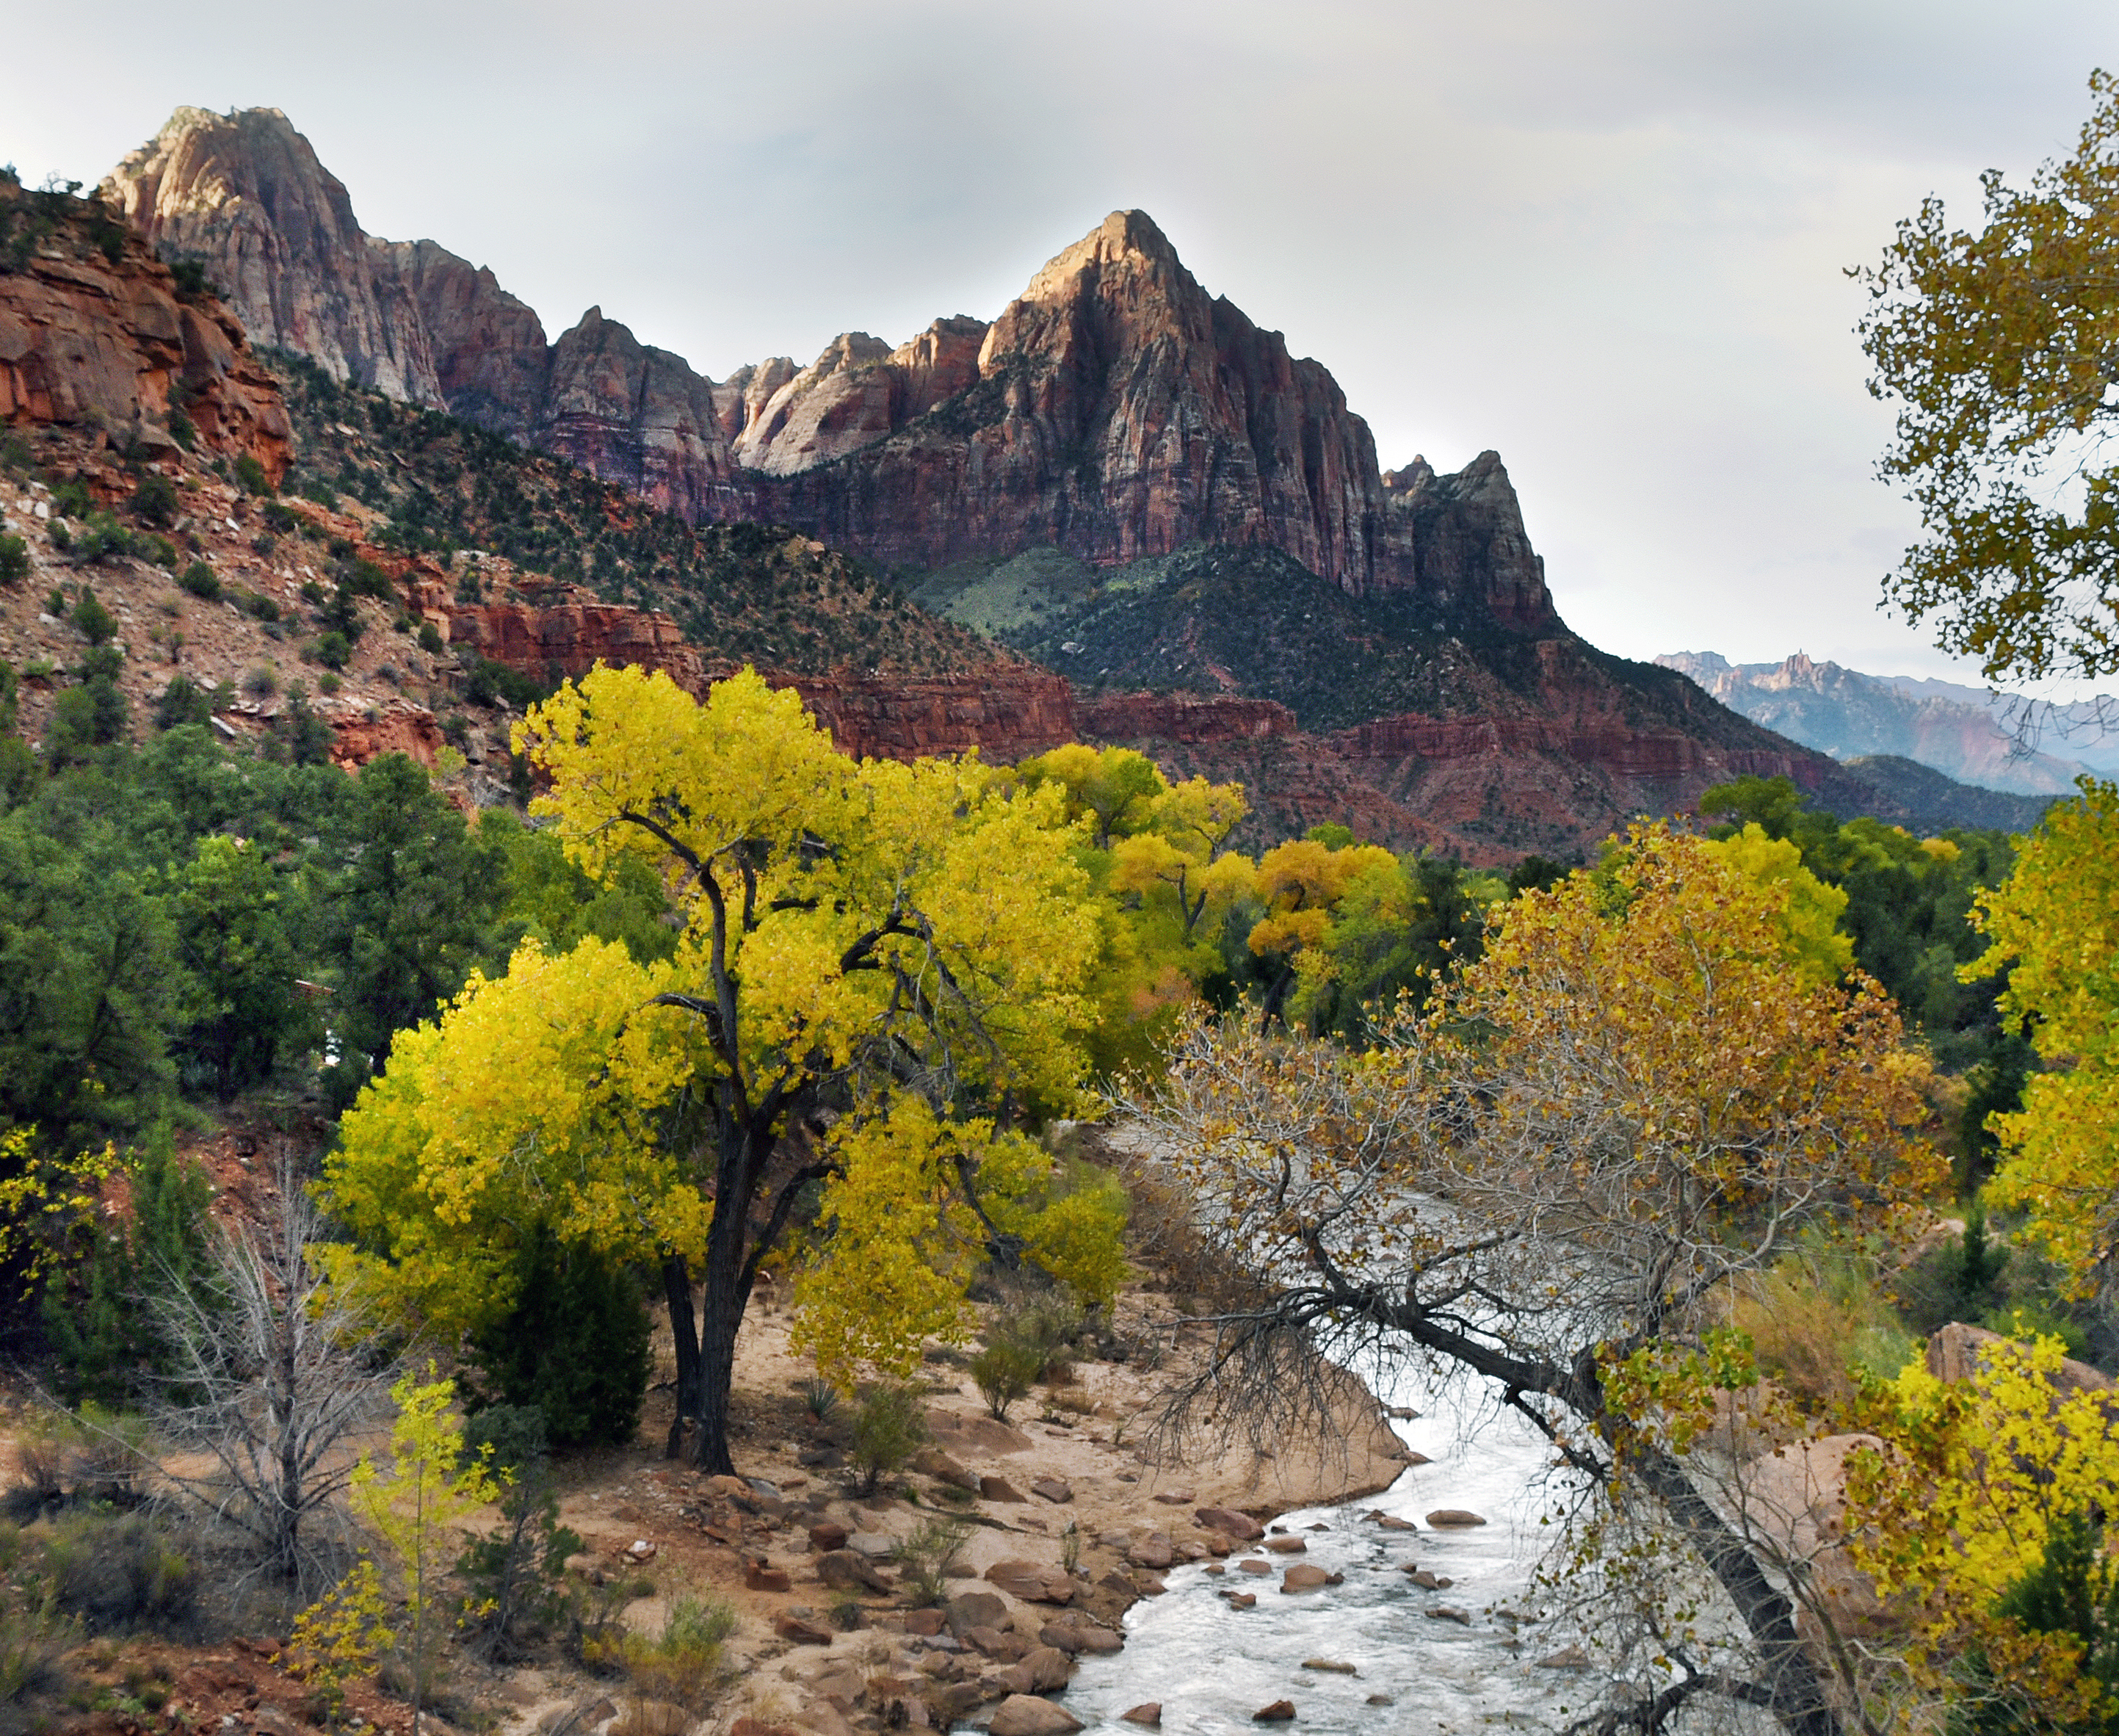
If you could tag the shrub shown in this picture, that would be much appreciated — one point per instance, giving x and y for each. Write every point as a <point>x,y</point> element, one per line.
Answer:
<point>262,682</point>
<point>251,475</point>
<point>684,1664</point>
<point>182,701</point>
<point>198,579</point>
<point>156,502</point>
<point>282,519</point>
<point>517,1573</point>
<point>927,1555</point>
<point>183,429</point>
<point>158,549</point>
<point>118,1573</point>
<point>14,561</point>
<point>888,1429</point>
<point>190,280</point>
<point>72,500</point>
<point>1003,1371</point>
<point>103,538</point>
<point>331,650</point>
<point>575,1345</point>
<point>431,640</point>
<point>315,489</point>
<point>261,608</point>
<point>328,683</point>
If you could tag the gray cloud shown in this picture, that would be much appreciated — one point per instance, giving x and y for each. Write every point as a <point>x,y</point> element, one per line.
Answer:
<point>1605,239</point>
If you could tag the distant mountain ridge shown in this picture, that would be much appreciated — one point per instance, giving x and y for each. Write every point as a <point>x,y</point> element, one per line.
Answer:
<point>1966,733</point>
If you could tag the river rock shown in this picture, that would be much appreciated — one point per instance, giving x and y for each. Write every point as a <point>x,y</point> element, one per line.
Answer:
<point>1428,1581</point>
<point>1403,1413</point>
<point>1568,1657</point>
<point>1148,1712</point>
<point>1032,1582</point>
<point>1330,1666</point>
<point>1304,1576</point>
<point>1240,1600</point>
<point>1286,1545</point>
<point>1252,1564</point>
<point>998,1488</point>
<point>1153,1550</point>
<point>1096,1642</point>
<point>1026,1715</point>
<point>1281,1711</point>
<point>1230,1523</point>
<point>997,1643</point>
<point>1448,1518</point>
<point>969,1609</point>
<point>1444,1612</point>
<point>1392,1522</point>
<point>1052,1489</point>
<point>1047,1667</point>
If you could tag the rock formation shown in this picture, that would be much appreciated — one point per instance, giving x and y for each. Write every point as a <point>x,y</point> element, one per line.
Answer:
<point>244,194</point>
<point>95,333</point>
<point>1113,410</point>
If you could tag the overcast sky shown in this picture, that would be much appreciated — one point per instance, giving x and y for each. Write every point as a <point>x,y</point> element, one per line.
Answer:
<point>1603,237</point>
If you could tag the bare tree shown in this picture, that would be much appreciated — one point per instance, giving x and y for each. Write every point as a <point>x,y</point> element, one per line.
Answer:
<point>273,1376</point>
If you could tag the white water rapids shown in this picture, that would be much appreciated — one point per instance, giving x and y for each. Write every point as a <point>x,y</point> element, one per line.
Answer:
<point>1212,1666</point>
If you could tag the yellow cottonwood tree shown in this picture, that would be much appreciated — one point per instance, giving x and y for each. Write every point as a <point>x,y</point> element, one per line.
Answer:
<point>857,939</point>
<point>2054,926</point>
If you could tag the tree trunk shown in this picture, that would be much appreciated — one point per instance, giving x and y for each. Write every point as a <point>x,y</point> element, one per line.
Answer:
<point>685,1335</point>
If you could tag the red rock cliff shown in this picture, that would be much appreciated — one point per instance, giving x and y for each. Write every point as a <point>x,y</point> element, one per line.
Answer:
<point>87,340</point>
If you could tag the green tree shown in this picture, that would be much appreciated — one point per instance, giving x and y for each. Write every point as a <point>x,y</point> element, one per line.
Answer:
<point>574,1345</point>
<point>1996,343</point>
<point>227,905</point>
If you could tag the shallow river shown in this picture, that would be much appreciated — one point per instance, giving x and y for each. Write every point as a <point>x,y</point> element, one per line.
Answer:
<point>1212,1666</point>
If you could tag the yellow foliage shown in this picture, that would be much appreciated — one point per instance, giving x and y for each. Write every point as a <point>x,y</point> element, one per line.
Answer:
<point>1810,911</point>
<point>1960,1501</point>
<point>340,1636</point>
<point>1300,881</point>
<point>2054,926</point>
<point>48,1205</point>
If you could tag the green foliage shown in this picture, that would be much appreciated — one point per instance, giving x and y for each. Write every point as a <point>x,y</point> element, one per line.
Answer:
<point>2072,1592</point>
<point>888,1428</point>
<point>199,579</point>
<point>926,1558</point>
<point>431,640</point>
<point>253,476</point>
<point>156,502</point>
<point>516,1573</point>
<point>1003,1371</point>
<point>553,900</point>
<point>229,906</point>
<point>183,702</point>
<point>99,1311</point>
<point>574,1346</point>
<point>681,1665</point>
<point>14,559</point>
<point>119,1574</point>
<point>93,621</point>
<point>331,650</point>
<point>496,683</point>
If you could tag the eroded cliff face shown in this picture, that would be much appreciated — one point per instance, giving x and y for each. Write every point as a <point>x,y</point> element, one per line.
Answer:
<point>111,344</point>
<point>244,194</point>
<point>1113,410</point>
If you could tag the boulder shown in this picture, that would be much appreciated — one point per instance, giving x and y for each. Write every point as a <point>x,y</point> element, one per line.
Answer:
<point>996,1643</point>
<point>1153,1550</point>
<point>1304,1576</point>
<point>963,1436</point>
<point>800,1631</point>
<point>1252,1564</point>
<point>1443,1519</point>
<point>1444,1612</point>
<point>1148,1712</point>
<point>1048,1669</point>
<point>1230,1523</point>
<point>1330,1666</point>
<point>1095,1642</point>
<point>1175,1498</point>
<point>1568,1657</point>
<point>761,1576</point>
<point>931,1462</point>
<point>1281,1711</point>
<point>827,1536</point>
<point>583,1715</point>
<point>1392,1522</point>
<point>924,1622</point>
<point>846,1570</point>
<point>752,1727</point>
<point>1026,1715</point>
<point>1286,1545</point>
<point>1032,1582</point>
<point>1240,1600</point>
<point>970,1609</point>
<point>1954,1354</point>
<point>1051,1489</point>
<point>998,1488</point>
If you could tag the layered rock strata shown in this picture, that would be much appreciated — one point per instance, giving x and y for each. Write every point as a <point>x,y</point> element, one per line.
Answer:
<point>1113,410</point>
<point>94,334</point>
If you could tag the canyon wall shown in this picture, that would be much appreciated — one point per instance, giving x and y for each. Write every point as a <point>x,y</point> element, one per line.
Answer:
<point>1113,410</point>
<point>95,333</point>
